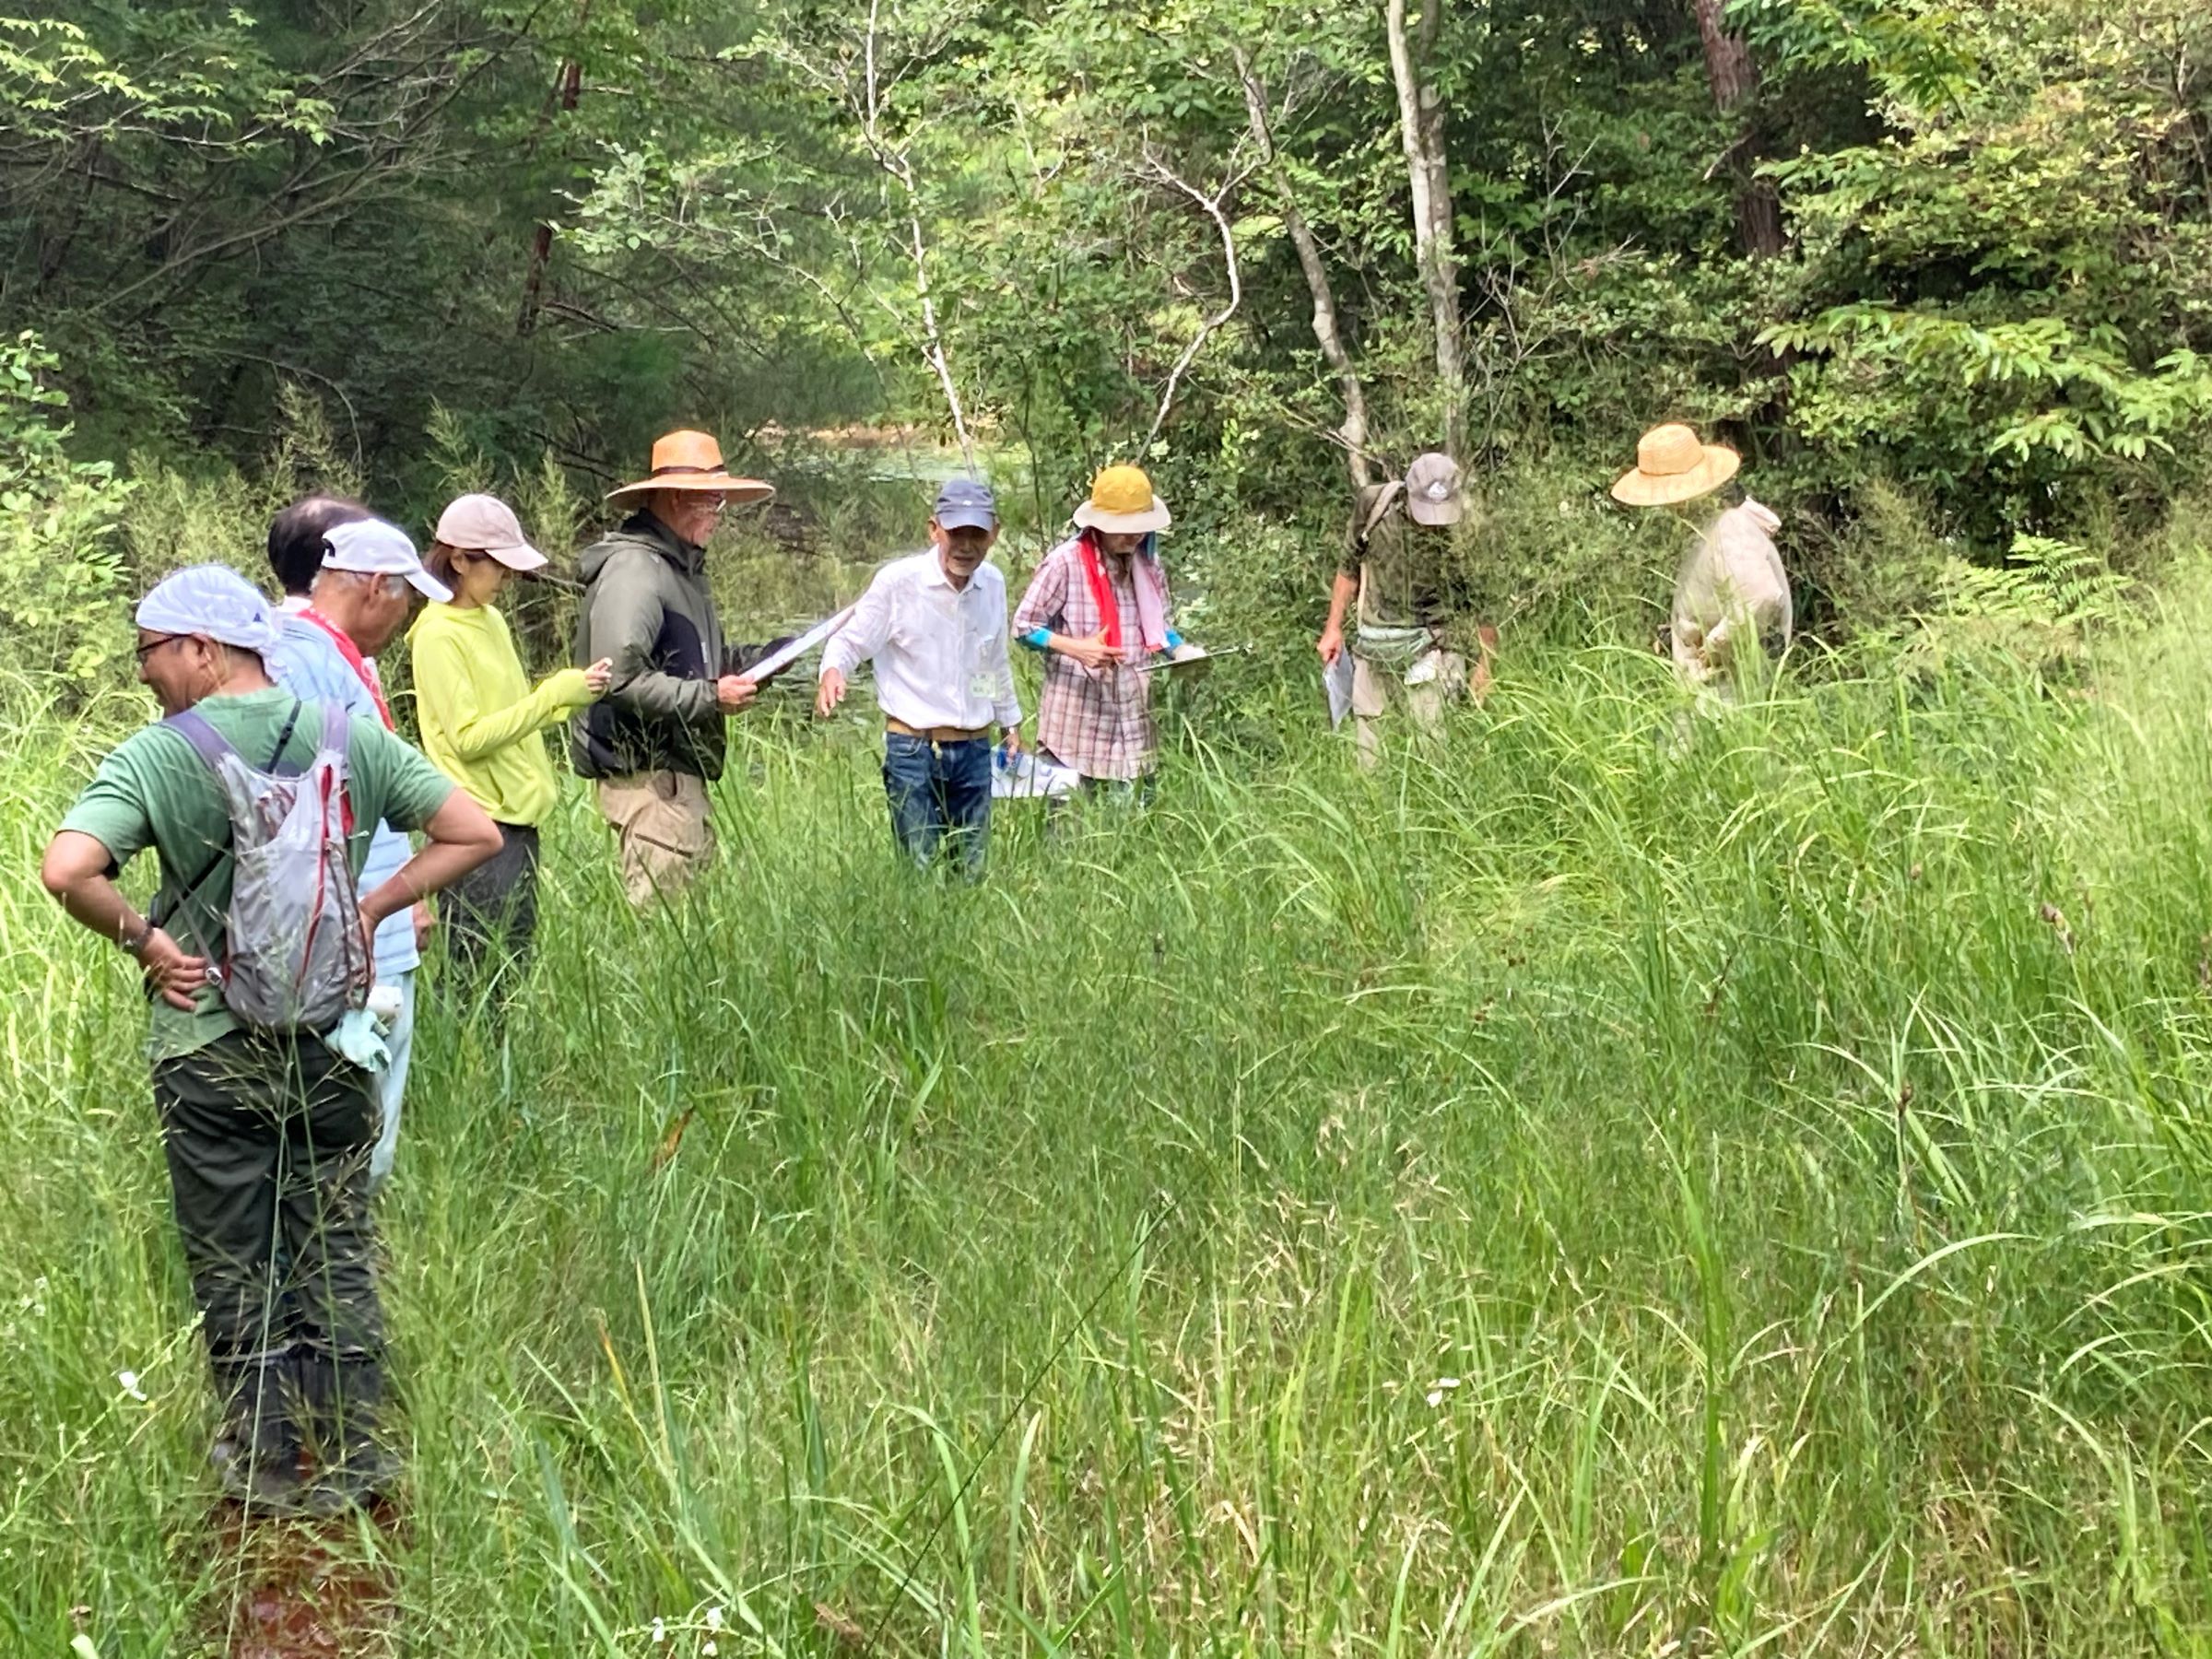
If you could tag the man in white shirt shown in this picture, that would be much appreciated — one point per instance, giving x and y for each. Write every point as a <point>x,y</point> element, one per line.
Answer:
<point>934,625</point>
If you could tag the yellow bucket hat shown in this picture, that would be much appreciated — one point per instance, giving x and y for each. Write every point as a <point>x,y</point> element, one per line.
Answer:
<point>1672,465</point>
<point>1121,502</point>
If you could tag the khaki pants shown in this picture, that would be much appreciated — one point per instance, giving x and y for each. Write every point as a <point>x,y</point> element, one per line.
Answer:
<point>660,820</point>
<point>1435,678</point>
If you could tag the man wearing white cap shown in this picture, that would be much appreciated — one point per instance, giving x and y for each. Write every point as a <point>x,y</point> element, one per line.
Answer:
<point>1398,566</point>
<point>267,1132</point>
<point>371,573</point>
<point>484,726</point>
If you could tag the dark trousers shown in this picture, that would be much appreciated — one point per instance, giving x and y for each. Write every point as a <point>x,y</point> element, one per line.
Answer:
<point>491,914</point>
<point>268,1140</point>
<point>939,790</point>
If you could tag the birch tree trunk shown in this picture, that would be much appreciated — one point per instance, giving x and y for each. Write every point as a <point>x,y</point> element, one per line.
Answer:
<point>1421,129</point>
<point>1327,334</point>
<point>896,163</point>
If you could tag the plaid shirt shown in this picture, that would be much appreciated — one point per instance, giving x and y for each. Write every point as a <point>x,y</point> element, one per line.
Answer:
<point>1099,725</point>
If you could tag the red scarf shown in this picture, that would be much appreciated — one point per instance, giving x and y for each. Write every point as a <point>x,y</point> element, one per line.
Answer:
<point>354,660</point>
<point>1102,589</point>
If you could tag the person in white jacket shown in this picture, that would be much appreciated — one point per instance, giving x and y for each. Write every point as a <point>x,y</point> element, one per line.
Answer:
<point>1732,603</point>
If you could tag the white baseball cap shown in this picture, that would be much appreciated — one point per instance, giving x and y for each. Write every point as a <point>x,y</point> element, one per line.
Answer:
<point>372,548</point>
<point>484,524</point>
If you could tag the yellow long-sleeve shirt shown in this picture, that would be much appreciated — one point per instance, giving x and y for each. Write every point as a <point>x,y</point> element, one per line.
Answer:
<point>482,724</point>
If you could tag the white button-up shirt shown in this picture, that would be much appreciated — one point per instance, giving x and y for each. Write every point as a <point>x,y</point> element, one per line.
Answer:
<point>940,652</point>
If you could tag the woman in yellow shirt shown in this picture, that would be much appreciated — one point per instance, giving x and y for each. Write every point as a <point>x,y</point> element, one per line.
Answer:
<point>484,724</point>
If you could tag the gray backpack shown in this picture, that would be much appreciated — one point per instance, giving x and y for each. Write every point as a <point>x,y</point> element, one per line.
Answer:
<point>294,956</point>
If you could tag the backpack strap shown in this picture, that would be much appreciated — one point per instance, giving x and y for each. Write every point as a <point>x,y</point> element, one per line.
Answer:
<point>208,743</point>
<point>337,738</point>
<point>1385,499</point>
<point>211,746</point>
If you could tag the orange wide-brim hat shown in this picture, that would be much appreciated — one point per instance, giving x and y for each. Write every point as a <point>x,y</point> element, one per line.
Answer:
<point>693,461</point>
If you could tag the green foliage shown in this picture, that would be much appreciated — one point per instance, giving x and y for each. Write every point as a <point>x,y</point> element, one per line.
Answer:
<point>2053,583</point>
<point>1997,300</point>
<point>1559,1194</point>
<point>547,232</point>
<point>61,562</point>
<point>1919,53</point>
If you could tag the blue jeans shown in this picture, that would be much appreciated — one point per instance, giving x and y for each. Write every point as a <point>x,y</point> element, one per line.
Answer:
<point>936,790</point>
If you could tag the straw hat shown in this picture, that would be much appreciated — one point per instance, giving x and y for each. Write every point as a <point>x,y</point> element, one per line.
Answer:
<point>1672,465</point>
<point>693,461</point>
<point>1121,502</point>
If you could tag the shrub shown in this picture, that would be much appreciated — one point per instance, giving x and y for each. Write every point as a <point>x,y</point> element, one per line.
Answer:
<point>61,561</point>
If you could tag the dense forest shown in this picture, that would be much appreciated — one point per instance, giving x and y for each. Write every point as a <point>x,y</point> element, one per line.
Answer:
<point>1941,269</point>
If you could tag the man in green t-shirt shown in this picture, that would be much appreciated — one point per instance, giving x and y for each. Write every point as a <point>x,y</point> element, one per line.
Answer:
<point>1397,564</point>
<point>267,1133</point>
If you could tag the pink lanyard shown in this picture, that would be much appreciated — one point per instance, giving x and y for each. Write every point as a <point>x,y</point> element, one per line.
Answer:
<point>354,660</point>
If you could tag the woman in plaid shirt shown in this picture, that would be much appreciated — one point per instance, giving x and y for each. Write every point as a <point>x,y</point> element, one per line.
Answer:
<point>1098,608</point>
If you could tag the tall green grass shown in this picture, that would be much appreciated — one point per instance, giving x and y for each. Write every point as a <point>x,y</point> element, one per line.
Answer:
<point>1621,1181</point>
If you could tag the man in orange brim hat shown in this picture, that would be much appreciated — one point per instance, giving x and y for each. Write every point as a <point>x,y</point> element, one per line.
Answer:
<point>655,741</point>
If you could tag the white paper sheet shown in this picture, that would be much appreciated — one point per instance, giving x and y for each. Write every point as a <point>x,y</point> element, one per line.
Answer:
<point>1027,775</point>
<point>1337,685</point>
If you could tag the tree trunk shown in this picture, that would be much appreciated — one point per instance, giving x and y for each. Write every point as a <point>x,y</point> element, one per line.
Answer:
<point>541,243</point>
<point>1734,78</point>
<point>1327,334</point>
<point>1421,129</point>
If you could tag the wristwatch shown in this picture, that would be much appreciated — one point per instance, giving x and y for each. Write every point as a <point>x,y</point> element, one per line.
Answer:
<point>134,943</point>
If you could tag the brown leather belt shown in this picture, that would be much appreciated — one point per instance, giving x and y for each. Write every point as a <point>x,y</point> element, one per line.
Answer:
<point>935,734</point>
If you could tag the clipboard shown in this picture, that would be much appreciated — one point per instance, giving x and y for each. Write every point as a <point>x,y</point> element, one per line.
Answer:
<point>1191,668</point>
<point>783,656</point>
<point>1336,685</point>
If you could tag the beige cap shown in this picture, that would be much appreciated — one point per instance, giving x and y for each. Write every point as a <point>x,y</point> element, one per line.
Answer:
<point>482,523</point>
<point>1432,494</point>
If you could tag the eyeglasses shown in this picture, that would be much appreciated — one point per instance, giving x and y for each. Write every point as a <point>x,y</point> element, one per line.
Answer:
<point>146,650</point>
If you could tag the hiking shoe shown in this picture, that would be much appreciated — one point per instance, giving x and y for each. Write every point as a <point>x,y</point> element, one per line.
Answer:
<point>364,1478</point>
<point>268,1488</point>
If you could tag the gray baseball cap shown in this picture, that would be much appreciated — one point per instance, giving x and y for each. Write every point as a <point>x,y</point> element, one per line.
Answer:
<point>1433,490</point>
<point>966,504</point>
